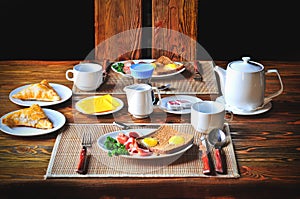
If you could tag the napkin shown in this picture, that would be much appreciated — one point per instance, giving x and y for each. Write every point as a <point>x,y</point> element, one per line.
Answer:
<point>99,104</point>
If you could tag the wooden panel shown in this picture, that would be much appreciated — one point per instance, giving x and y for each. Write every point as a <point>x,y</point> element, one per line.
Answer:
<point>111,18</point>
<point>170,18</point>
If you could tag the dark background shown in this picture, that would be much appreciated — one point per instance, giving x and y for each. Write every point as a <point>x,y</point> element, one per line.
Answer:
<point>64,29</point>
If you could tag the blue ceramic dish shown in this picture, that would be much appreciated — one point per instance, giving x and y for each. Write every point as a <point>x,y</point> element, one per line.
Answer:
<point>141,71</point>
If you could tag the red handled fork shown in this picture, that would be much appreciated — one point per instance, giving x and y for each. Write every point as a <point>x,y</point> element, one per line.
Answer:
<point>83,160</point>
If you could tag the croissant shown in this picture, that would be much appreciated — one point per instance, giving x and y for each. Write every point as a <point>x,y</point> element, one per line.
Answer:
<point>40,91</point>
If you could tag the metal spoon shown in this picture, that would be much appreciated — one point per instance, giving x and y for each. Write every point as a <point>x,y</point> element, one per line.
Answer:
<point>164,87</point>
<point>218,139</point>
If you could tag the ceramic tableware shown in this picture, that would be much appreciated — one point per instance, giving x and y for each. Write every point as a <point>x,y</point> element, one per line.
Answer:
<point>207,115</point>
<point>139,98</point>
<point>86,76</point>
<point>243,84</point>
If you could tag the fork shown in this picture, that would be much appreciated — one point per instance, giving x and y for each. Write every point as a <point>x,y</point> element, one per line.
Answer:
<point>83,160</point>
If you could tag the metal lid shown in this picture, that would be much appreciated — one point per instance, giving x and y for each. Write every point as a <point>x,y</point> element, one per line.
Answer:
<point>245,65</point>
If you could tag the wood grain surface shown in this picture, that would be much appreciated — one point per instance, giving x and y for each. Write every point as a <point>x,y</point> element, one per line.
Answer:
<point>267,146</point>
<point>175,29</point>
<point>118,29</point>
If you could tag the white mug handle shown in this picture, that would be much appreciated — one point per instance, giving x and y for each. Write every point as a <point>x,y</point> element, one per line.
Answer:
<point>67,75</point>
<point>269,98</point>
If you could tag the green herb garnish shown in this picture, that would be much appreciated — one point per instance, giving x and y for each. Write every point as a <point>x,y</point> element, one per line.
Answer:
<point>115,147</point>
<point>118,67</point>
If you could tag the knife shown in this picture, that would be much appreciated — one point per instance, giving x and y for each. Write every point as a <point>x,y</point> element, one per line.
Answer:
<point>207,169</point>
<point>121,125</point>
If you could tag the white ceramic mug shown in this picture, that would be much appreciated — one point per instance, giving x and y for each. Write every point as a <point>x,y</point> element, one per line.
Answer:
<point>86,76</point>
<point>206,115</point>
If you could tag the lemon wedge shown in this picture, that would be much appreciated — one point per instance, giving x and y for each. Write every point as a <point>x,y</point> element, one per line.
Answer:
<point>98,104</point>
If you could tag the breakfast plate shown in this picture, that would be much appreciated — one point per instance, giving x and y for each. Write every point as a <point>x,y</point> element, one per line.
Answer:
<point>119,107</point>
<point>64,92</point>
<point>190,99</point>
<point>141,132</point>
<point>146,61</point>
<point>57,118</point>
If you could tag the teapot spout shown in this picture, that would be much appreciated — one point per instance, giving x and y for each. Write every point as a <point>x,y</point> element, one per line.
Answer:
<point>222,76</point>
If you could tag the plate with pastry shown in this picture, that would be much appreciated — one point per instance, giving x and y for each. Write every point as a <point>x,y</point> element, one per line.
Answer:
<point>99,105</point>
<point>42,93</point>
<point>32,121</point>
<point>163,67</point>
<point>145,144</point>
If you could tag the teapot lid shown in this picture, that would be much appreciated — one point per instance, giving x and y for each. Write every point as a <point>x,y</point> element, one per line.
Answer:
<point>245,65</point>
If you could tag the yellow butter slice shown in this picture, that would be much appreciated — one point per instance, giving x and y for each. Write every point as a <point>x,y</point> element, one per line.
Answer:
<point>98,104</point>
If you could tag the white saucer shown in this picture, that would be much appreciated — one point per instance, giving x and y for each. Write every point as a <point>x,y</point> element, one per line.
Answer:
<point>236,111</point>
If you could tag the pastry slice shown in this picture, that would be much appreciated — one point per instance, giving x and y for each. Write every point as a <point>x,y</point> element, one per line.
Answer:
<point>33,116</point>
<point>40,91</point>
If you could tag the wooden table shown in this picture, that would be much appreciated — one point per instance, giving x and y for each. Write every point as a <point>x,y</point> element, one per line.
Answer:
<point>267,148</point>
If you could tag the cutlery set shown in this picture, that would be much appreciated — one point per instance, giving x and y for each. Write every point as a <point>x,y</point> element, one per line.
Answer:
<point>217,139</point>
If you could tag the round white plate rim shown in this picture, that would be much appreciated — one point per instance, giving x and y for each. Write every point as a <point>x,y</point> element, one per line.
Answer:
<point>148,61</point>
<point>63,91</point>
<point>57,118</point>
<point>187,97</point>
<point>102,113</point>
<point>142,132</point>
<point>264,109</point>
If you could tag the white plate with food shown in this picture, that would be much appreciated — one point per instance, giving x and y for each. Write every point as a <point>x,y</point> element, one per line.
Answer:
<point>57,119</point>
<point>144,134</point>
<point>99,105</point>
<point>64,92</point>
<point>178,104</point>
<point>175,68</point>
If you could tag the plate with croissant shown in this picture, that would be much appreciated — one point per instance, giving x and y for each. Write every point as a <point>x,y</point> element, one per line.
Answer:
<point>163,67</point>
<point>32,121</point>
<point>42,93</point>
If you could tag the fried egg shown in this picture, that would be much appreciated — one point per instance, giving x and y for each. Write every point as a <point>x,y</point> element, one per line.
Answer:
<point>177,140</point>
<point>149,142</point>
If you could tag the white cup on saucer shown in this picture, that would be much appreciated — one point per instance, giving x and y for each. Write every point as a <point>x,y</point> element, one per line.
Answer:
<point>86,76</point>
<point>207,115</point>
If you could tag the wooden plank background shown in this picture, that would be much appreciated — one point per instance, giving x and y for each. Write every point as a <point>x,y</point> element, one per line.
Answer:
<point>171,17</point>
<point>174,29</point>
<point>113,17</point>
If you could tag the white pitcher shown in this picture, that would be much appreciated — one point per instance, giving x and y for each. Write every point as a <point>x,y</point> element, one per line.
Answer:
<point>243,84</point>
<point>139,98</point>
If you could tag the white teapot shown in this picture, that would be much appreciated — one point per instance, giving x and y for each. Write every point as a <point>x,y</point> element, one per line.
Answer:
<point>243,84</point>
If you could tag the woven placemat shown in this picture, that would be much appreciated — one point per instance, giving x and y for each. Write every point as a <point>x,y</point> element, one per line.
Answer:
<point>182,83</point>
<point>65,156</point>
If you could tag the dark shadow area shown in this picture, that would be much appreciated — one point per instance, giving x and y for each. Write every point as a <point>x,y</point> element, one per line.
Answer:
<point>228,30</point>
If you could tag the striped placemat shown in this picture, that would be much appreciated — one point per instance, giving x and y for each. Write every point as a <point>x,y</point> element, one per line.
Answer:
<point>65,156</point>
<point>182,83</point>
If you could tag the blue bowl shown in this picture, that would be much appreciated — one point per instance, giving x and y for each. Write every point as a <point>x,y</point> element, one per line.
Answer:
<point>141,71</point>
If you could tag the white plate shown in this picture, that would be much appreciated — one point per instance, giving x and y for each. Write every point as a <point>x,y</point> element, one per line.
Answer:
<point>142,132</point>
<point>148,61</point>
<point>164,101</point>
<point>236,111</point>
<point>64,92</point>
<point>101,113</point>
<point>57,118</point>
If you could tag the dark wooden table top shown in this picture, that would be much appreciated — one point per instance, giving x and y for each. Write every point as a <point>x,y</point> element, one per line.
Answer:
<point>267,147</point>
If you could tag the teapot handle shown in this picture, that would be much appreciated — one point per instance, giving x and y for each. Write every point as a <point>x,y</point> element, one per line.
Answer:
<point>270,97</point>
<point>158,93</point>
